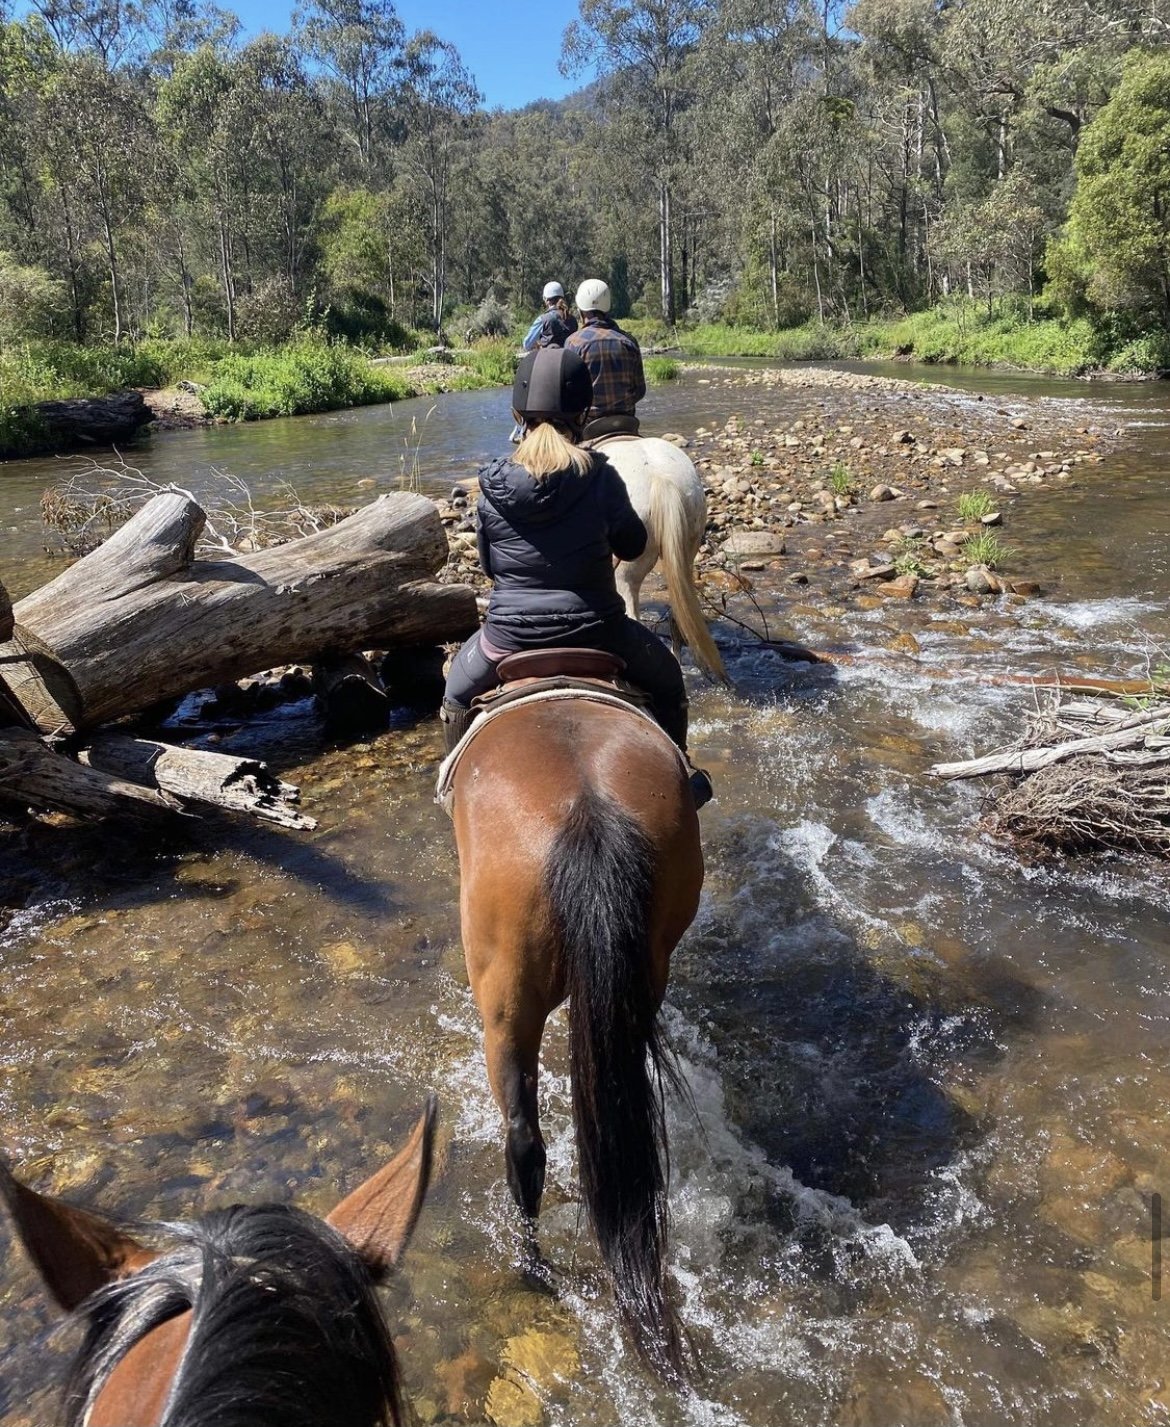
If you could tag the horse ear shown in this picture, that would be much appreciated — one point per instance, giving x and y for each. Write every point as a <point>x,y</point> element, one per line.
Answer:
<point>75,1252</point>
<point>378,1218</point>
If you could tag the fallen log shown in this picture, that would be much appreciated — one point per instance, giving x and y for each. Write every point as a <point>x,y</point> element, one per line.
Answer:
<point>33,775</point>
<point>140,620</point>
<point>85,421</point>
<point>350,693</point>
<point>195,775</point>
<point>5,613</point>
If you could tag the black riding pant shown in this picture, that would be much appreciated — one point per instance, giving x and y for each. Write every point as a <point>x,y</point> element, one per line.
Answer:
<point>650,666</point>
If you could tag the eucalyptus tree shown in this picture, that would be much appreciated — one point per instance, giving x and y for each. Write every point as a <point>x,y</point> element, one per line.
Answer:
<point>644,49</point>
<point>439,105</point>
<point>99,140</point>
<point>360,45</point>
<point>113,31</point>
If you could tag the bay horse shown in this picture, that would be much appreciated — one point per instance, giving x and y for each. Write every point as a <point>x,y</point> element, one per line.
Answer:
<point>667,492</point>
<point>580,869</point>
<point>259,1316</point>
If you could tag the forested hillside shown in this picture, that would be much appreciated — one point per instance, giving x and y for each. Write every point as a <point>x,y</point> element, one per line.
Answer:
<point>763,162</point>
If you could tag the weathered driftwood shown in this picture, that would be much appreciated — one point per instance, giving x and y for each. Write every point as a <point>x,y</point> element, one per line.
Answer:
<point>1137,731</point>
<point>195,775</point>
<point>351,693</point>
<point>140,620</point>
<point>33,775</point>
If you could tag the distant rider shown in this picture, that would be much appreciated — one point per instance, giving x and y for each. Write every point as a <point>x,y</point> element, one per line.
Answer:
<point>554,324</point>
<point>614,360</point>
<point>550,521</point>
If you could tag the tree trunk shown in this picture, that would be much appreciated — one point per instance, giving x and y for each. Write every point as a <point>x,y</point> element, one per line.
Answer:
<point>139,620</point>
<point>664,252</point>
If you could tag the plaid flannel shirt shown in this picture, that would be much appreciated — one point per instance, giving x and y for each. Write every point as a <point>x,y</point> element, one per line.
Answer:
<point>614,360</point>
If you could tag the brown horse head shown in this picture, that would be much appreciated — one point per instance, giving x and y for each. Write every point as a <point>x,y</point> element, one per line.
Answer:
<point>580,869</point>
<point>260,1315</point>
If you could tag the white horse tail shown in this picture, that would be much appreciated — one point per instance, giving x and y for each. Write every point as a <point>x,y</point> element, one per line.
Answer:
<point>668,518</point>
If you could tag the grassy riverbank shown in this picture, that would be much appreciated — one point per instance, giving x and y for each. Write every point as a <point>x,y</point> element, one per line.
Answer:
<point>234,383</point>
<point>959,333</point>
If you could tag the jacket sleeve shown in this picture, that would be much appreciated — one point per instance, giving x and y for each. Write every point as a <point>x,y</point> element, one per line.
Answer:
<point>627,534</point>
<point>533,336</point>
<point>482,543</point>
<point>639,373</point>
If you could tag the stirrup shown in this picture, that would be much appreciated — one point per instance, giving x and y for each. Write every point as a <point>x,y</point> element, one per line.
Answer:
<point>701,787</point>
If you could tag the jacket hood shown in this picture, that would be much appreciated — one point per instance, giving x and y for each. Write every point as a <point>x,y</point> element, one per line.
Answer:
<point>520,497</point>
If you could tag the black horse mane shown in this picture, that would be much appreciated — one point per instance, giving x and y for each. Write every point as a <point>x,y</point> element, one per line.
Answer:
<point>285,1327</point>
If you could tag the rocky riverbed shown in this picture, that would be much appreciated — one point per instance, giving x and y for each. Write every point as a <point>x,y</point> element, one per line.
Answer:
<point>877,492</point>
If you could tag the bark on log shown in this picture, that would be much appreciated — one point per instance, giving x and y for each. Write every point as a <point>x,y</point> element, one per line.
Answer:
<point>194,775</point>
<point>138,621</point>
<point>33,775</point>
<point>351,693</point>
<point>5,613</point>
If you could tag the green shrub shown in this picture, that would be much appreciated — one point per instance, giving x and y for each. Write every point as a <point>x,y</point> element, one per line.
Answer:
<point>291,381</point>
<point>493,362</point>
<point>661,369</point>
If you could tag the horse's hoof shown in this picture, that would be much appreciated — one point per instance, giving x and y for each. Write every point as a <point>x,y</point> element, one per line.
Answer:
<point>538,1274</point>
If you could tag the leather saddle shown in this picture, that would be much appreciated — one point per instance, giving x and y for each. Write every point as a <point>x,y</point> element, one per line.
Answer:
<point>532,670</point>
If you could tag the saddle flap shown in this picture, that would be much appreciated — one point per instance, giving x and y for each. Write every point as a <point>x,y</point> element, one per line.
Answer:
<point>559,663</point>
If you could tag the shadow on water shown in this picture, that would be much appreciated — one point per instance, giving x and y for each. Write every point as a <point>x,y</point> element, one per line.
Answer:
<point>107,867</point>
<point>834,1055</point>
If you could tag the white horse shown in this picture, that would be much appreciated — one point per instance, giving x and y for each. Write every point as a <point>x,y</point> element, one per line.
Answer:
<point>667,492</point>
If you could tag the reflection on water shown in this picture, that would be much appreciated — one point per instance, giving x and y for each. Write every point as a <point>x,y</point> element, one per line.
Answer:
<point>927,1081</point>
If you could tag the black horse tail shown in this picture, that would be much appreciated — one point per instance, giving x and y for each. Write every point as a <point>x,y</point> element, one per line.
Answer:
<point>600,882</point>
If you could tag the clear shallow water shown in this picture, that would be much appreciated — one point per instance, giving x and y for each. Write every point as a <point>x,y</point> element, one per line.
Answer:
<point>929,1081</point>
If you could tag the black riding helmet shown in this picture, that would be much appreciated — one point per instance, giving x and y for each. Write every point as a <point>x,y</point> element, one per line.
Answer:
<point>552,382</point>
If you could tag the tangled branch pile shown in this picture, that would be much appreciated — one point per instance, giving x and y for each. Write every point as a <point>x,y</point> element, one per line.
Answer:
<point>1092,774</point>
<point>80,513</point>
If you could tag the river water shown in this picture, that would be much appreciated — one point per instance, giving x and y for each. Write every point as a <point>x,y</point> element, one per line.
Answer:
<point>928,1078</point>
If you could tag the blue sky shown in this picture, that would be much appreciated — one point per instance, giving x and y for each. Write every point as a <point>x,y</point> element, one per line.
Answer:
<point>510,46</point>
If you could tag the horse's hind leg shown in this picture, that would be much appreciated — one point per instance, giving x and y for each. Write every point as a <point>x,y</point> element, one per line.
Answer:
<point>512,1066</point>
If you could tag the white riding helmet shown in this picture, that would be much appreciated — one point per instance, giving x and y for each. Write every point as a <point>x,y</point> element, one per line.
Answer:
<point>593,296</point>
<point>551,290</point>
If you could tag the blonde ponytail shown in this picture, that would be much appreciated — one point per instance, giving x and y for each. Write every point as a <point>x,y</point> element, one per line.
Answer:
<point>546,448</point>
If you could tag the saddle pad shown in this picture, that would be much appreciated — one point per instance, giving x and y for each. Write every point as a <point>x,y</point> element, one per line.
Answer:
<point>444,788</point>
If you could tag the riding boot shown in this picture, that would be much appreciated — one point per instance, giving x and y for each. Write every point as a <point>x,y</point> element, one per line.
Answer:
<point>456,720</point>
<point>674,719</point>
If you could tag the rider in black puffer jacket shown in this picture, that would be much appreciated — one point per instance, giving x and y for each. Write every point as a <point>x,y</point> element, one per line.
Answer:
<point>550,523</point>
